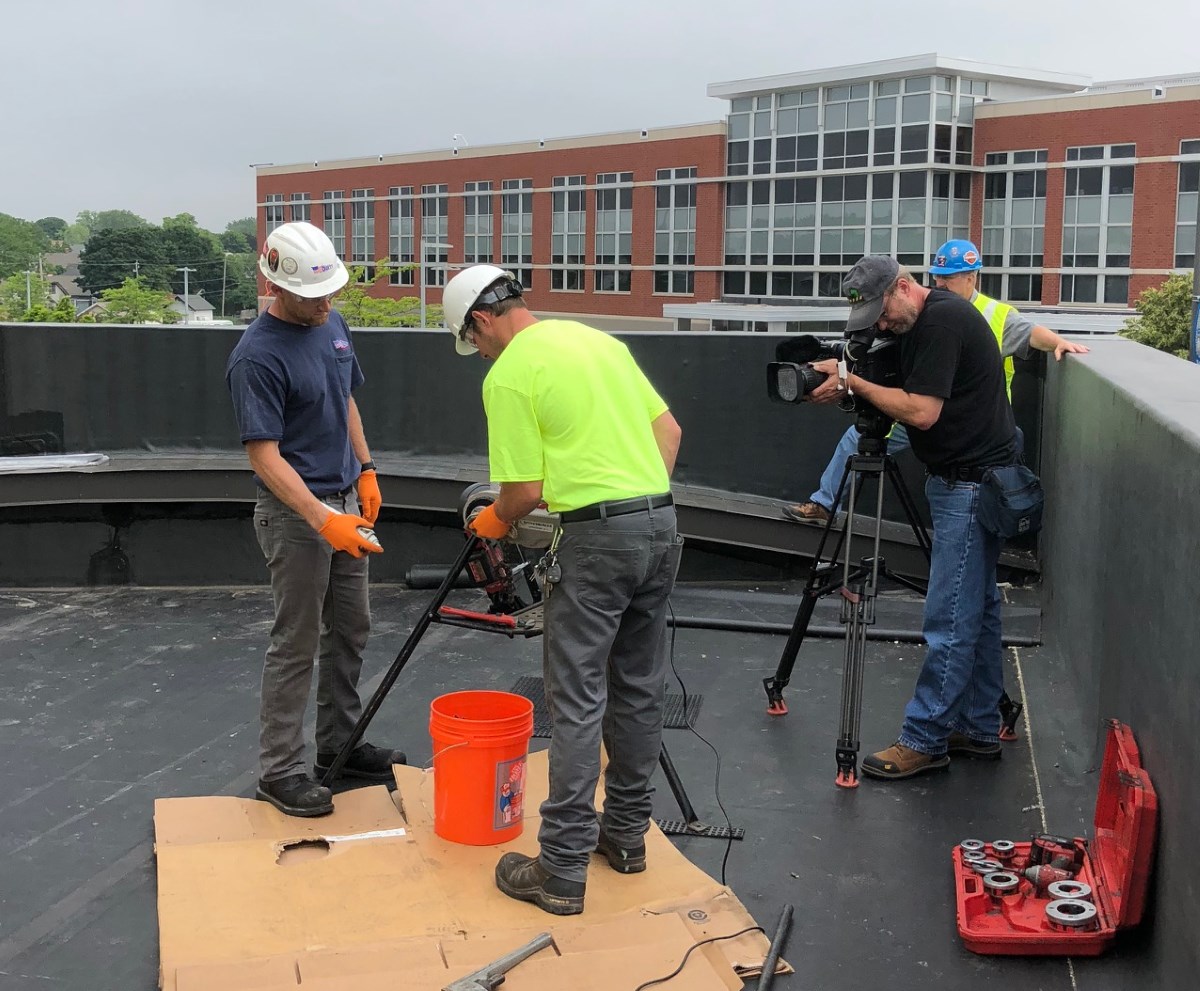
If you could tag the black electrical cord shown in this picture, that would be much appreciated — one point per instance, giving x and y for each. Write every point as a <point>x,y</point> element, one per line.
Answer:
<point>683,962</point>
<point>716,754</point>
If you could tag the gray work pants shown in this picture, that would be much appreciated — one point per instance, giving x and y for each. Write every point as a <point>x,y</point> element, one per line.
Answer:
<point>321,611</point>
<point>604,665</point>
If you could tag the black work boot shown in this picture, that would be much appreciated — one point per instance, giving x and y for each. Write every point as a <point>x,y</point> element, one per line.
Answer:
<point>296,795</point>
<point>366,761</point>
<point>622,859</point>
<point>526,880</point>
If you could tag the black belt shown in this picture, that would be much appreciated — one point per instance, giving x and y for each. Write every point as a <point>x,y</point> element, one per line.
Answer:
<point>619,507</point>
<point>953,475</point>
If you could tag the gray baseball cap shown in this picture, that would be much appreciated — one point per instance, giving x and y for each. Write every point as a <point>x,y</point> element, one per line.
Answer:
<point>864,286</point>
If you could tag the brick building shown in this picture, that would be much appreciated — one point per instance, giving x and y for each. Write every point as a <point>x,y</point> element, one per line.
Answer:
<point>1078,194</point>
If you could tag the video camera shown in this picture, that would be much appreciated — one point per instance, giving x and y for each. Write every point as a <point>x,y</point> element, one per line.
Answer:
<point>870,354</point>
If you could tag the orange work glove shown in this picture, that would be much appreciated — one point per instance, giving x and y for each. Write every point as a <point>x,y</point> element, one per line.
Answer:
<point>369,498</point>
<point>486,523</point>
<point>341,530</point>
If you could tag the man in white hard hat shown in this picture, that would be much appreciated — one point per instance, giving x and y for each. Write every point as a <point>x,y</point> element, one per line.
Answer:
<point>572,421</point>
<point>291,377</point>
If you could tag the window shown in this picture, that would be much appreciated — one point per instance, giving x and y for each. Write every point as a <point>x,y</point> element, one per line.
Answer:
<point>477,222</point>
<point>301,207</point>
<point>274,210</point>
<point>516,228</point>
<point>400,234</point>
<point>335,220</point>
<point>675,231</point>
<point>1186,205</point>
<point>1097,222</point>
<point>435,228</point>
<point>568,232</point>
<point>614,232</point>
<point>1014,217</point>
<point>362,230</point>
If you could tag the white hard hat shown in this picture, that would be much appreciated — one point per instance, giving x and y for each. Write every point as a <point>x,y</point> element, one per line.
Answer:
<point>462,295</point>
<point>300,258</point>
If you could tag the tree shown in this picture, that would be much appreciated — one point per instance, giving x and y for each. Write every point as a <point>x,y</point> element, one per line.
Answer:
<point>76,234</point>
<point>186,243</point>
<point>52,227</point>
<point>20,244</point>
<point>241,285</point>
<point>132,302</point>
<point>12,295</point>
<point>360,309</point>
<point>111,255</point>
<point>38,313</point>
<point>110,220</point>
<point>64,311</point>
<point>1164,317</point>
<point>241,236</point>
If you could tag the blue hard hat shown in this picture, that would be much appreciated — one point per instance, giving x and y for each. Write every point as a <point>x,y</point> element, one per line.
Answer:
<point>954,257</point>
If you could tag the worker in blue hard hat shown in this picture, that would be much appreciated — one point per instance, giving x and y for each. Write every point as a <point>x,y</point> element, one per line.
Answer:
<point>955,267</point>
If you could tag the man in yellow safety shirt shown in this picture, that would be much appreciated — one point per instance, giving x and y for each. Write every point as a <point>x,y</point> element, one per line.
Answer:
<point>573,422</point>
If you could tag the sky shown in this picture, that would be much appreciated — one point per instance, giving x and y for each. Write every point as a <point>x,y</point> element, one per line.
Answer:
<point>162,106</point>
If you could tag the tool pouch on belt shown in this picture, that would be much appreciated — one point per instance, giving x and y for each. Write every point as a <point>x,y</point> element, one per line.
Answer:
<point>1010,501</point>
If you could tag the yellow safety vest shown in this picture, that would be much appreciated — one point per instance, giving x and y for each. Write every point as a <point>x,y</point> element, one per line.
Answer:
<point>996,313</point>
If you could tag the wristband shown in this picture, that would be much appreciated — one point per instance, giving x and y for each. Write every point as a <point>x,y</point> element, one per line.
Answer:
<point>369,466</point>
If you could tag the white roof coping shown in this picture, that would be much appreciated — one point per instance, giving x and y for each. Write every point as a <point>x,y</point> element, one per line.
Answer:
<point>886,68</point>
<point>1076,321</point>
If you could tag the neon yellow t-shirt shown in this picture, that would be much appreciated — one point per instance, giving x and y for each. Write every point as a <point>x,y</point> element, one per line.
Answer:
<point>567,405</point>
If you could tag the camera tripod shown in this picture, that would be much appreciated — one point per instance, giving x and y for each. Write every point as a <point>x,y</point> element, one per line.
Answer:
<point>858,586</point>
<point>492,567</point>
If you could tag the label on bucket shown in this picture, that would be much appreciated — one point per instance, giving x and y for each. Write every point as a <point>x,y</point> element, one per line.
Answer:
<point>510,793</point>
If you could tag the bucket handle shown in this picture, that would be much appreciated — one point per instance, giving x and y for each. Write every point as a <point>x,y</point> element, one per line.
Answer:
<point>453,746</point>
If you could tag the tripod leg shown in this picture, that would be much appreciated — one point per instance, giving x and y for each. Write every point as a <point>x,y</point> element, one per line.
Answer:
<point>1010,712</point>
<point>909,507</point>
<point>690,825</point>
<point>814,588</point>
<point>402,658</point>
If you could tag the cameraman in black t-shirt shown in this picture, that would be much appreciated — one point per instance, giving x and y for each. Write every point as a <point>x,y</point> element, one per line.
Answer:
<point>952,399</point>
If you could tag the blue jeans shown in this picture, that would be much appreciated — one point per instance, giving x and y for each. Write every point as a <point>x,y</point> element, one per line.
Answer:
<point>961,681</point>
<point>848,445</point>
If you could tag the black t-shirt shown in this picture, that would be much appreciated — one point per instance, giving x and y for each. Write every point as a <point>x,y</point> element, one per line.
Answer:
<point>952,353</point>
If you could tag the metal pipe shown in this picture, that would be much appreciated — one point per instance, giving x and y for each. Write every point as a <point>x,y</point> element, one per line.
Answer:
<point>767,977</point>
<point>835,631</point>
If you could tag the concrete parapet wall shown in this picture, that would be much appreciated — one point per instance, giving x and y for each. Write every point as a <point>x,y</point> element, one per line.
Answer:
<point>1120,551</point>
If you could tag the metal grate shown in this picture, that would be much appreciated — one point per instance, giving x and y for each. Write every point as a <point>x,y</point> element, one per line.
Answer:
<point>674,716</point>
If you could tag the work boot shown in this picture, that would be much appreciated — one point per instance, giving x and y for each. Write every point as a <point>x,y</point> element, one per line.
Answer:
<point>961,745</point>
<point>296,795</point>
<point>366,761</point>
<point>899,761</point>
<point>807,512</point>
<point>526,880</point>
<point>622,859</point>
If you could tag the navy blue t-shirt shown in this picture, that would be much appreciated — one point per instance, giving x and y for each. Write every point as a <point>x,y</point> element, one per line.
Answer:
<point>292,384</point>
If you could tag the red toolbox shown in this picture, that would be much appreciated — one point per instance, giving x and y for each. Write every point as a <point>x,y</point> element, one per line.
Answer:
<point>1057,896</point>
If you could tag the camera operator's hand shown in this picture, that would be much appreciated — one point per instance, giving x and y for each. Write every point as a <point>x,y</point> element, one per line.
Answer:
<point>832,389</point>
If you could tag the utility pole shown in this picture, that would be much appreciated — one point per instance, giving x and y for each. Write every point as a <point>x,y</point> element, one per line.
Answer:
<point>224,269</point>
<point>136,264</point>
<point>186,309</point>
<point>28,298</point>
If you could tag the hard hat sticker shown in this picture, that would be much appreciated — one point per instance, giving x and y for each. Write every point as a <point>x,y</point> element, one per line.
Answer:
<point>273,260</point>
<point>289,266</point>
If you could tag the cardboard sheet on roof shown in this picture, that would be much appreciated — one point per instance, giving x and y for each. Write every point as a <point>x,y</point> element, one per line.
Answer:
<point>250,898</point>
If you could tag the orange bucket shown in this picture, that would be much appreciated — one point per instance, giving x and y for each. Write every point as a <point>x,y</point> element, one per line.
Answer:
<point>480,744</point>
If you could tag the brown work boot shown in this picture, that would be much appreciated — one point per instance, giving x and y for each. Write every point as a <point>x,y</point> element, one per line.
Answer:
<point>899,761</point>
<point>526,880</point>
<point>961,745</point>
<point>807,512</point>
